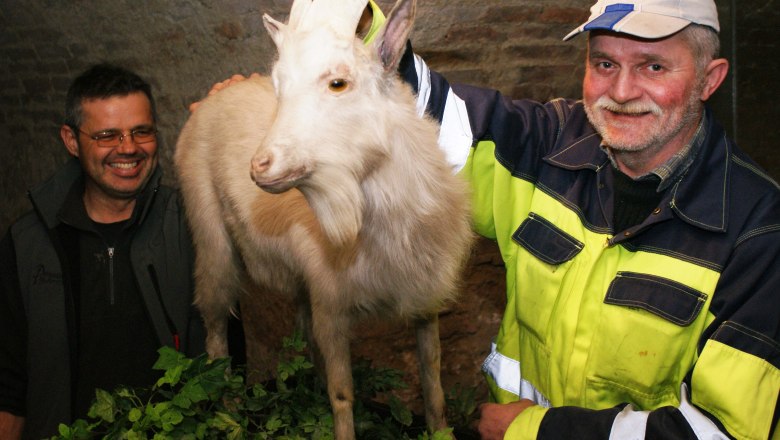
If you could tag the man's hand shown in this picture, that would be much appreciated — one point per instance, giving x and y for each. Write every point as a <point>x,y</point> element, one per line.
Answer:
<point>221,85</point>
<point>495,418</point>
<point>11,426</point>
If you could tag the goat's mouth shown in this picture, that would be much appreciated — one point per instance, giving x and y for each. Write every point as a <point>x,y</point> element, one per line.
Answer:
<point>282,183</point>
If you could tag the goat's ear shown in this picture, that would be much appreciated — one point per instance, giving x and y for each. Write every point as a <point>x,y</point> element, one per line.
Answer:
<point>275,29</point>
<point>390,43</point>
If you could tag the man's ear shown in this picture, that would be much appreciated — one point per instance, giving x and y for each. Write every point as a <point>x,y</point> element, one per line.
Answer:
<point>714,74</point>
<point>70,139</point>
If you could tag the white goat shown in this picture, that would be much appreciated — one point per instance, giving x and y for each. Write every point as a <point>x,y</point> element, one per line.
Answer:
<point>360,214</point>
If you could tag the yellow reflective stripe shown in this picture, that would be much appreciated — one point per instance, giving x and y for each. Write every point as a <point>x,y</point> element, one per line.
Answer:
<point>720,380</point>
<point>376,23</point>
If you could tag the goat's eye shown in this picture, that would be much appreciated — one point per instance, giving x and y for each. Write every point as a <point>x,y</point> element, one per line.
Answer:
<point>338,85</point>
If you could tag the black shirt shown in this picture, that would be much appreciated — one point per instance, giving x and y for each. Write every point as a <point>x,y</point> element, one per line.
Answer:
<point>116,342</point>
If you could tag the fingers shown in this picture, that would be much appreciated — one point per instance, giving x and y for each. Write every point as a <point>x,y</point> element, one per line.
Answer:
<point>221,86</point>
<point>495,418</point>
<point>226,83</point>
<point>194,106</point>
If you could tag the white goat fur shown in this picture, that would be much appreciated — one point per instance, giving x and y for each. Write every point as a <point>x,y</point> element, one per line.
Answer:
<point>361,215</point>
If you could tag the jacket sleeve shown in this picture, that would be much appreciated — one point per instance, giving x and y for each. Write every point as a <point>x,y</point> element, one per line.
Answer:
<point>13,328</point>
<point>737,376</point>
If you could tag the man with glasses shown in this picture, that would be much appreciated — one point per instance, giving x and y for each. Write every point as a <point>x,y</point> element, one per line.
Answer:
<point>98,275</point>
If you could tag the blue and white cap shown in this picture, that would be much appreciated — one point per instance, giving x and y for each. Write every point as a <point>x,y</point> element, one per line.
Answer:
<point>648,18</point>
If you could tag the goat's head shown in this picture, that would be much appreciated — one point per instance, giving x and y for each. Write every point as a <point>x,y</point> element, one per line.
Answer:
<point>331,88</point>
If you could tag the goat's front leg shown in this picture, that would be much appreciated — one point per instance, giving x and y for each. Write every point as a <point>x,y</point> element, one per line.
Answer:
<point>429,357</point>
<point>216,293</point>
<point>215,318</point>
<point>331,328</point>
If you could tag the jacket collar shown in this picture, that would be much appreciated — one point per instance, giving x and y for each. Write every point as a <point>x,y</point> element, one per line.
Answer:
<point>699,197</point>
<point>49,196</point>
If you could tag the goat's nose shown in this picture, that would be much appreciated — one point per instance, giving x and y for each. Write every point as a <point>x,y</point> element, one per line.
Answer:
<point>261,163</point>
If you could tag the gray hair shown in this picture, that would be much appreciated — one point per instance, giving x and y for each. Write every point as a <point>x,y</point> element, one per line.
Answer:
<point>704,43</point>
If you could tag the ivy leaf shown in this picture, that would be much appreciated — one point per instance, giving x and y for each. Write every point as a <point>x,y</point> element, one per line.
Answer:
<point>442,434</point>
<point>274,423</point>
<point>191,392</point>
<point>134,415</point>
<point>169,358</point>
<point>103,407</point>
<point>132,435</point>
<point>171,376</point>
<point>223,421</point>
<point>400,413</point>
<point>294,342</point>
<point>170,418</point>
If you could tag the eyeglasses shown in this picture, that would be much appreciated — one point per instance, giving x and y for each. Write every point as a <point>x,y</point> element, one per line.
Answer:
<point>113,138</point>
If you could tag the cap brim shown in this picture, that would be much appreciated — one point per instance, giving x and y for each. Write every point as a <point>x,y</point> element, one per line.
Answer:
<point>637,23</point>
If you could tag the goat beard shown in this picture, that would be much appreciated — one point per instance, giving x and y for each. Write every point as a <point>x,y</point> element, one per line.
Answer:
<point>338,204</point>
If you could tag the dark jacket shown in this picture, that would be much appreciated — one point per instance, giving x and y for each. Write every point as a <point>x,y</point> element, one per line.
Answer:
<point>37,311</point>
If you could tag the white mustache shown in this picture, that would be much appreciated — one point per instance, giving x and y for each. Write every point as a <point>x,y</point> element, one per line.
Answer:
<point>605,103</point>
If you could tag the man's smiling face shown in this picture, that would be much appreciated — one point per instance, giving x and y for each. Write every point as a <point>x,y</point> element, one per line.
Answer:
<point>119,172</point>
<point>642,95</point>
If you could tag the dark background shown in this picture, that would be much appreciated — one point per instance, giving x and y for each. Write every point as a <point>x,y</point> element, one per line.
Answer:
<point>183,46</point>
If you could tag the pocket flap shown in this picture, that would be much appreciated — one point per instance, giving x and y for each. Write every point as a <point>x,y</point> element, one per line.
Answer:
<point>545,241</point>
<point>663,297</point>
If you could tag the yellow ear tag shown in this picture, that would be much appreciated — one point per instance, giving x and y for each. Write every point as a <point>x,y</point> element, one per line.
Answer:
<point>376,23</point>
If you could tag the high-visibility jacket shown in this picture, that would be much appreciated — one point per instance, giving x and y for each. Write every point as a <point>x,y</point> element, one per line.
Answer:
<point>668,329</point>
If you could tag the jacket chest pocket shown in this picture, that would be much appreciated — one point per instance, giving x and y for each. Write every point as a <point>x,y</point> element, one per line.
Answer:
<point>545,241</point>
<point>667,299</point>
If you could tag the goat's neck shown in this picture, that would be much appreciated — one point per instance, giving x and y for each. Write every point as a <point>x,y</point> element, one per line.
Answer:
<point>405,185</point>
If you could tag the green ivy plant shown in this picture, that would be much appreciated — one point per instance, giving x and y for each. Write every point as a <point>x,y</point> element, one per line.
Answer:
<point>204,399</point>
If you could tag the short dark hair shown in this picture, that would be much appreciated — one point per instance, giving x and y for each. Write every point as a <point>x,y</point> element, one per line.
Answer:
<point>103,81</point>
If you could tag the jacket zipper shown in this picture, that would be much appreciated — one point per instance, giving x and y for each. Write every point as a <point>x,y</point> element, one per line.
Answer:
<point>111,275</point>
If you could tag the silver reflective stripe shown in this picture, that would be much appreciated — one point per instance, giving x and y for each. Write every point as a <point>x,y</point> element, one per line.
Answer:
<point>701,424</point>
<point>423,84</point>
<point>506,374</point>
<point>455,136</point>
<point>629,424</point>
